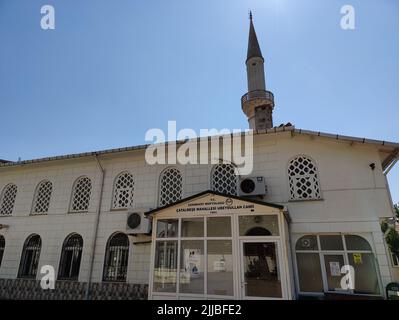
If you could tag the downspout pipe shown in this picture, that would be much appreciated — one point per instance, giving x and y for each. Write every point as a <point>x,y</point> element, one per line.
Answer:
<point>96,224</point>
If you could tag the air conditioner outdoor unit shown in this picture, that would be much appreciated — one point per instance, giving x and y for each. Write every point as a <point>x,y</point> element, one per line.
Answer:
<point>252,186</point>
<point>137,222</point>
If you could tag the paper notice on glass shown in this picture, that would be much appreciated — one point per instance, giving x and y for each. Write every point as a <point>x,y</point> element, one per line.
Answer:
<point>192,262</point>
<point>357,258</point>
<point>219,266</point>
<point>335,270</point>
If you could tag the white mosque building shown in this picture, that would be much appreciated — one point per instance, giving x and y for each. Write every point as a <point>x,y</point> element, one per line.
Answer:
<point>113,226</point>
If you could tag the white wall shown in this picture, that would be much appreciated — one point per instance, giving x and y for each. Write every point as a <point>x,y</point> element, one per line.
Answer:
<point>353,198</point>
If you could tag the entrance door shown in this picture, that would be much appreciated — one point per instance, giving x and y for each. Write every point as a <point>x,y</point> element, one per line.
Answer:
<point>260,270</point>
<point>333,264</point>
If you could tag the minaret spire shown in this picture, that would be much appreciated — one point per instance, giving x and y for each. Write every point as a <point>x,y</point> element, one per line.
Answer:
<point>253,44</point>
<point>257,103</point>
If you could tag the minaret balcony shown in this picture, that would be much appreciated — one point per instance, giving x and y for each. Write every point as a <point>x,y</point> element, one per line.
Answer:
<point>255,98</point>
<point>257,94</point>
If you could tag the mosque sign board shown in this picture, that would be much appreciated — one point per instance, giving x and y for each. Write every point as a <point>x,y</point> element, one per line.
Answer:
<point>212,205</point>
<point>218,204</point>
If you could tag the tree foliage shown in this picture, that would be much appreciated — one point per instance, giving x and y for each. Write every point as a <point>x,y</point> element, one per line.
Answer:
<point>384,226</point>
<point>391,235</point>
<point>392,239</point>
<point>396,207</point>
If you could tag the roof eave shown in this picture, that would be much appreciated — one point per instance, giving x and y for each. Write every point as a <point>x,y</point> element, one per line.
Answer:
<point>390,146</point>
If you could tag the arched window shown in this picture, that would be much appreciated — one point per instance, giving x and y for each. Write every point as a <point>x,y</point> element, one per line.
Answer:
<point>355,242</point>
<point>30,257</point>
<point>258,231</point>
<point>2,246</point>
<point>303,179</point>
<point>7,199</point>
<point>41,202</point>
<point>170,186</point>
<point>116,258</point>
<point>320,257</point>
<point>224,179</point>
<point>123,191</point>
<point>81,195</point>
<point>71,256</point>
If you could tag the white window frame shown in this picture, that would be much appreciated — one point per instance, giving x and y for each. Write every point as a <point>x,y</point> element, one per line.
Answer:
<point>2,198</point>
<point>237,177</point>
<point>36,195</point>
<point>290,195</point>
<point>115,190</point>
<point>321,254</point>
<point>160,184</point>
<point>74,192</point>
<point>237,259</point>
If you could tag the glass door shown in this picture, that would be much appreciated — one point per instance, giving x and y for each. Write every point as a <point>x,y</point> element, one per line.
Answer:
<point>260,270</point>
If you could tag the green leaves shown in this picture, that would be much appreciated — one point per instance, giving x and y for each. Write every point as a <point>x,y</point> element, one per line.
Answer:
<point>392,239</point>
<point>396,207</point>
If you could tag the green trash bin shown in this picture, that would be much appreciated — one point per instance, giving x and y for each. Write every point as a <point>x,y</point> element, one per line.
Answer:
<point>392,291</point>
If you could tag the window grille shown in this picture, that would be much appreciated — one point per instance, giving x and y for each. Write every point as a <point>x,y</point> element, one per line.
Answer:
<point>116,258</point>
<point>170,186</point>
<point>224,179</point>
<point>303,179</point>
<point>7,200</point>
<point>30,257</point>
<point>123,191</point>
<point>42,198</point>
<point>71,256</point>
<point>81,195</point>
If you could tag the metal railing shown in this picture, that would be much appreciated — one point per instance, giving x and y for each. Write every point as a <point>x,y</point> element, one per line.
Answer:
<point>257,94</point>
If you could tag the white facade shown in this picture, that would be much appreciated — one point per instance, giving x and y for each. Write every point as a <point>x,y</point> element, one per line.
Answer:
<point>353,200</point>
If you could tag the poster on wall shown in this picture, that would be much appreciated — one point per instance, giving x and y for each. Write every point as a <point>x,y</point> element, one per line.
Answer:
<point>219,265</point>
<point>192,263</point>
<point>335,270</point>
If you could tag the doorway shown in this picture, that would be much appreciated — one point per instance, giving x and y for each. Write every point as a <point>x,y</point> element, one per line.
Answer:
<point>260,270</point>
<point>220,247</point>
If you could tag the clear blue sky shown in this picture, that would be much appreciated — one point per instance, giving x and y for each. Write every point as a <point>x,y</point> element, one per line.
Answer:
<point>113,69</point>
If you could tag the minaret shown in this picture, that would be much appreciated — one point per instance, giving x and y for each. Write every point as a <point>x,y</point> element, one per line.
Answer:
<point>257,103</point>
